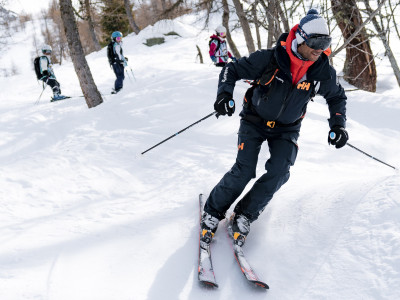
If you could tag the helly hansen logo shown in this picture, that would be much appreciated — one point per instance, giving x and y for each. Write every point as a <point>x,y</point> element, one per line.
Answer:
<point>225,76</point>
<point>241,146</point>
<point>304,86</point>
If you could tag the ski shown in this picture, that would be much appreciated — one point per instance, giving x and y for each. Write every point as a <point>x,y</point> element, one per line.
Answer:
<point>55,100</point>
<point>244,265</point>
<point>205,270</point>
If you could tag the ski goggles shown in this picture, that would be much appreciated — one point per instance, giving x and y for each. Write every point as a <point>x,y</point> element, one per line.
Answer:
<point>118,38</point>
<point>318,41</point>
<point>46,51</point>
<point>315,41</point>
<point>222,34</point>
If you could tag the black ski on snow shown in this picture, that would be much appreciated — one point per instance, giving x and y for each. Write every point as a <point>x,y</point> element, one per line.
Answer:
<point>244,265</point>
<point>205,271</point>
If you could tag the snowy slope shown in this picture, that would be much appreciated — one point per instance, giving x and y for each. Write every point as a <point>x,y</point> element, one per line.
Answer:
<point>83,215</point>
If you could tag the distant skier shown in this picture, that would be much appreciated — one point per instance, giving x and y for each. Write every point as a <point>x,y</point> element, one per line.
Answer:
<point>44,72</point>
<point>219,53</point>
<point>286,77</point>
<point>117,60</point>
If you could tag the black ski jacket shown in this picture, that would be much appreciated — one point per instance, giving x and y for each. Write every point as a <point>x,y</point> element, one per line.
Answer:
<point>280,100</point>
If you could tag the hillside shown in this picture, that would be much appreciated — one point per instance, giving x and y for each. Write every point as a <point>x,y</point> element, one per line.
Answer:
<point>85,216</point>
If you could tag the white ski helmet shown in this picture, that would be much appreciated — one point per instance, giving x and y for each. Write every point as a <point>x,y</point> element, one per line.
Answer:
<point>221,31</point>
<point>46,49</point>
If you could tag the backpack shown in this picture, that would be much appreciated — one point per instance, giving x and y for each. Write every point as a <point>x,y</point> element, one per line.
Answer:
<point>218,43</point>
<point>36,63</point>
<point>265,79</point>
<point>110,53</point>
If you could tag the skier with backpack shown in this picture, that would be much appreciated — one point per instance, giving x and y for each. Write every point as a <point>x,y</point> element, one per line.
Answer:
<point>117,60</point>
<point>219,53</point>
<point>44,72</point>
<point>286,77</point>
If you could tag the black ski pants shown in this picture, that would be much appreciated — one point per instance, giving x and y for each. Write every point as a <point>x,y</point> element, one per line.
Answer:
<point>119,72</point>
<point>53,83</point>
<point>283,151</point>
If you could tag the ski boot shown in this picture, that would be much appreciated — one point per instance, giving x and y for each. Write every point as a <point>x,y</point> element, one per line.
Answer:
<point>209,225</point>
<point>114,91</point>
<point>238,228</point>
<point>57,97</point>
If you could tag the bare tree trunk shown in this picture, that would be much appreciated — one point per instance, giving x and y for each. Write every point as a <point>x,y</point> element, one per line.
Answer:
<point>225,23</point>
<point>256,23</point>
<point>89,88</point>
<point>285,22</point>
<point>271,23</point>
<point>155,10</point>
<point>382,36</point>
<point>359,67</point>
<point>199,54</point>
<point>95,41</point>
<point>394,19</point>
<point>131,20</point>
<point>274,13</point>
<point>245,26</point>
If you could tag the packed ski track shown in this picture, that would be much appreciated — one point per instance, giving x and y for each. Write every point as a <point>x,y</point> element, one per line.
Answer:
<point>83,215</point>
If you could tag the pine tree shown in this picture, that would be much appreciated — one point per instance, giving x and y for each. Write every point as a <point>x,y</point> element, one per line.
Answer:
<point>114,18</point>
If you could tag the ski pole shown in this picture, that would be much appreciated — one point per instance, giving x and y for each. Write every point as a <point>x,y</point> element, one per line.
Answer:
<point>132,73</point>
<point>175,134</point>
<point>44,87</point>
<point>350,145</point>
<point>127,73</point>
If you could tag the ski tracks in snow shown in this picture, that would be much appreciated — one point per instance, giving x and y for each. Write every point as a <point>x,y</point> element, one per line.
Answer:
<point>365,247</point>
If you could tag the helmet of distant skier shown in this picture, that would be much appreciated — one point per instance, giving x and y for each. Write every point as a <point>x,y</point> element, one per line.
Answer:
<point>46,49</point>
<point>221,31</point>
<point>115,35</point>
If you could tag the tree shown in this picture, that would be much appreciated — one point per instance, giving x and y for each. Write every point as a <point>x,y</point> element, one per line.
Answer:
<point>89,88</point>
<point>359,67</point>
<point>225,23</point>
<point>114,18</point>
<point>256,23</point>
<point>383,36</point>
<point>132,23</point>
<point>245,25</point>
<point>89,19</point>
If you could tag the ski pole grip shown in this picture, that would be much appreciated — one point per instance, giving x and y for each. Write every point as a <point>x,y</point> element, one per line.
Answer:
<point>332,135</point>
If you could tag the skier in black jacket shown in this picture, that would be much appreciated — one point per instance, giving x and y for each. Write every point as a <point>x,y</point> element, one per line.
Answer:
<point>286,78</point>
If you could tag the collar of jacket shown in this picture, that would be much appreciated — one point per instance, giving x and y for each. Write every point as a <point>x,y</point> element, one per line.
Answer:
<point>214,36</point>
<point>290,64</point>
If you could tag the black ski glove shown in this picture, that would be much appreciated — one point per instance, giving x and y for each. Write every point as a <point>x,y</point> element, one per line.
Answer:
<point>338,137</point>
<point>224,104</point>
<point>126,58</point>
<point>45,73</point>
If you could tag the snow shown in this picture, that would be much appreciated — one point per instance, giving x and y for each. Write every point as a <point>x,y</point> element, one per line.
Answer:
<point>83,215</point>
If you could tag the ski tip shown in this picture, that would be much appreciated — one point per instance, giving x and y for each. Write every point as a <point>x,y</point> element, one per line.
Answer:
<point>209,284</point>
<point>260,284</point>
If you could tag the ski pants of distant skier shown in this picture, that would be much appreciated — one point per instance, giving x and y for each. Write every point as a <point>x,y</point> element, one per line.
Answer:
<point>54,84</point>
<point>283,151</point>
<point>119,72</point>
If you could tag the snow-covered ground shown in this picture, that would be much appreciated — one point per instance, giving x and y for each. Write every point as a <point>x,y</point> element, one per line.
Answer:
<point>85,216</point>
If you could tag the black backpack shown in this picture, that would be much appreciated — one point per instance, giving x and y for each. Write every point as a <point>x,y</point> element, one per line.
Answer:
<point>110,53</point>
<point>218,44</point>
<point>37,67</point>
